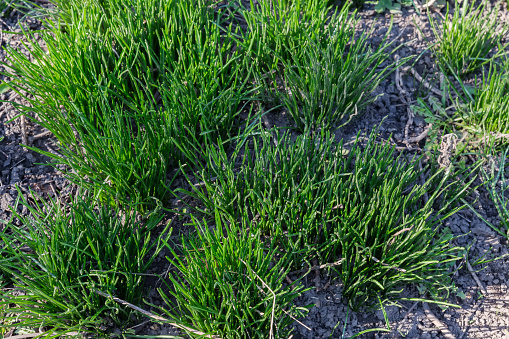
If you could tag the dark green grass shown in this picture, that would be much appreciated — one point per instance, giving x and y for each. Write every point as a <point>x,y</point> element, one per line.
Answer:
<point>309,61</point>
<point>277,30</point>
<point>56,257</point>
<point>229,281</point>
<point>133,89</point>
<point>323,203</point>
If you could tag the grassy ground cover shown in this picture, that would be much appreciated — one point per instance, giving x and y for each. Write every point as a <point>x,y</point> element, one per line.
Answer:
<point>118,94</point>
<point>235,275</point>
<point>325,204</point>
<point>468,40</point>
<point>58,257</point>
<point>466,37</point>
<point>137,90</point>
<point>486,109</point>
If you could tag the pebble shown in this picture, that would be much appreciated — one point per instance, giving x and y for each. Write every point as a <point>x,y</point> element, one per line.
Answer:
<point>483,230</point>
<point>5,202</point>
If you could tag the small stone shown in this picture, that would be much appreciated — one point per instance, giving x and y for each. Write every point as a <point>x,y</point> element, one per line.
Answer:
<point>5,202</point>
<point>481,229</point>
<point>419,121</point>
<point>454,228</point>
<point>30,157</point>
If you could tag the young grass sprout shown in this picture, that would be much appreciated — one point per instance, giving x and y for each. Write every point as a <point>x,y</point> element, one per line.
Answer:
<point>487,109</point>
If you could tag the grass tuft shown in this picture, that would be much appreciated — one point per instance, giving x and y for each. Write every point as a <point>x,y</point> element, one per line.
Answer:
<point>324,204</point>
<point>125,83</point>
<point>487,109</point>
<point>57,256</point>
<point>276,30</point>
<point>327,85</point>
<point>496,182</point>
<point>229,281</point>
<point>466,38</point>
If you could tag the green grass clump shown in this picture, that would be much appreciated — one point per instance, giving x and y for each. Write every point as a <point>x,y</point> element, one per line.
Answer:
<point>58,256</point>
<point>324,203</point>
<point>465,40</point>
<point>277,30</point>
<point>228,281</point>
<point>486,110</point>
<point>496,183</point>
<point>328,84</point>
<point>125,83</point>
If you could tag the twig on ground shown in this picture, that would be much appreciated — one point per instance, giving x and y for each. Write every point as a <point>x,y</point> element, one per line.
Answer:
<point>271,332</point>
<point>41,135</point>
<point>153,316</point>
<point>290,282</point>
<point>4,105</point>
<point>307,270</point>
<point>399,86</point>
<point>477,281</point>
<point>24,138</point>
<point>410,310</point>
<point>445,331</point>
<point>426,5</point>
<point>421,80</point>
<point>420,136</point>
<point>407,313</point>
<point>137,327</point>
<point>53,151</point>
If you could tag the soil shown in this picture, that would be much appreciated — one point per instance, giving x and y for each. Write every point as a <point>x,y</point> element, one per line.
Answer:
<point>479,315</point>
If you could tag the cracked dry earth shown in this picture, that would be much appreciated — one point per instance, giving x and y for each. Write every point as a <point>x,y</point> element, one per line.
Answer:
<point>483,310</point>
